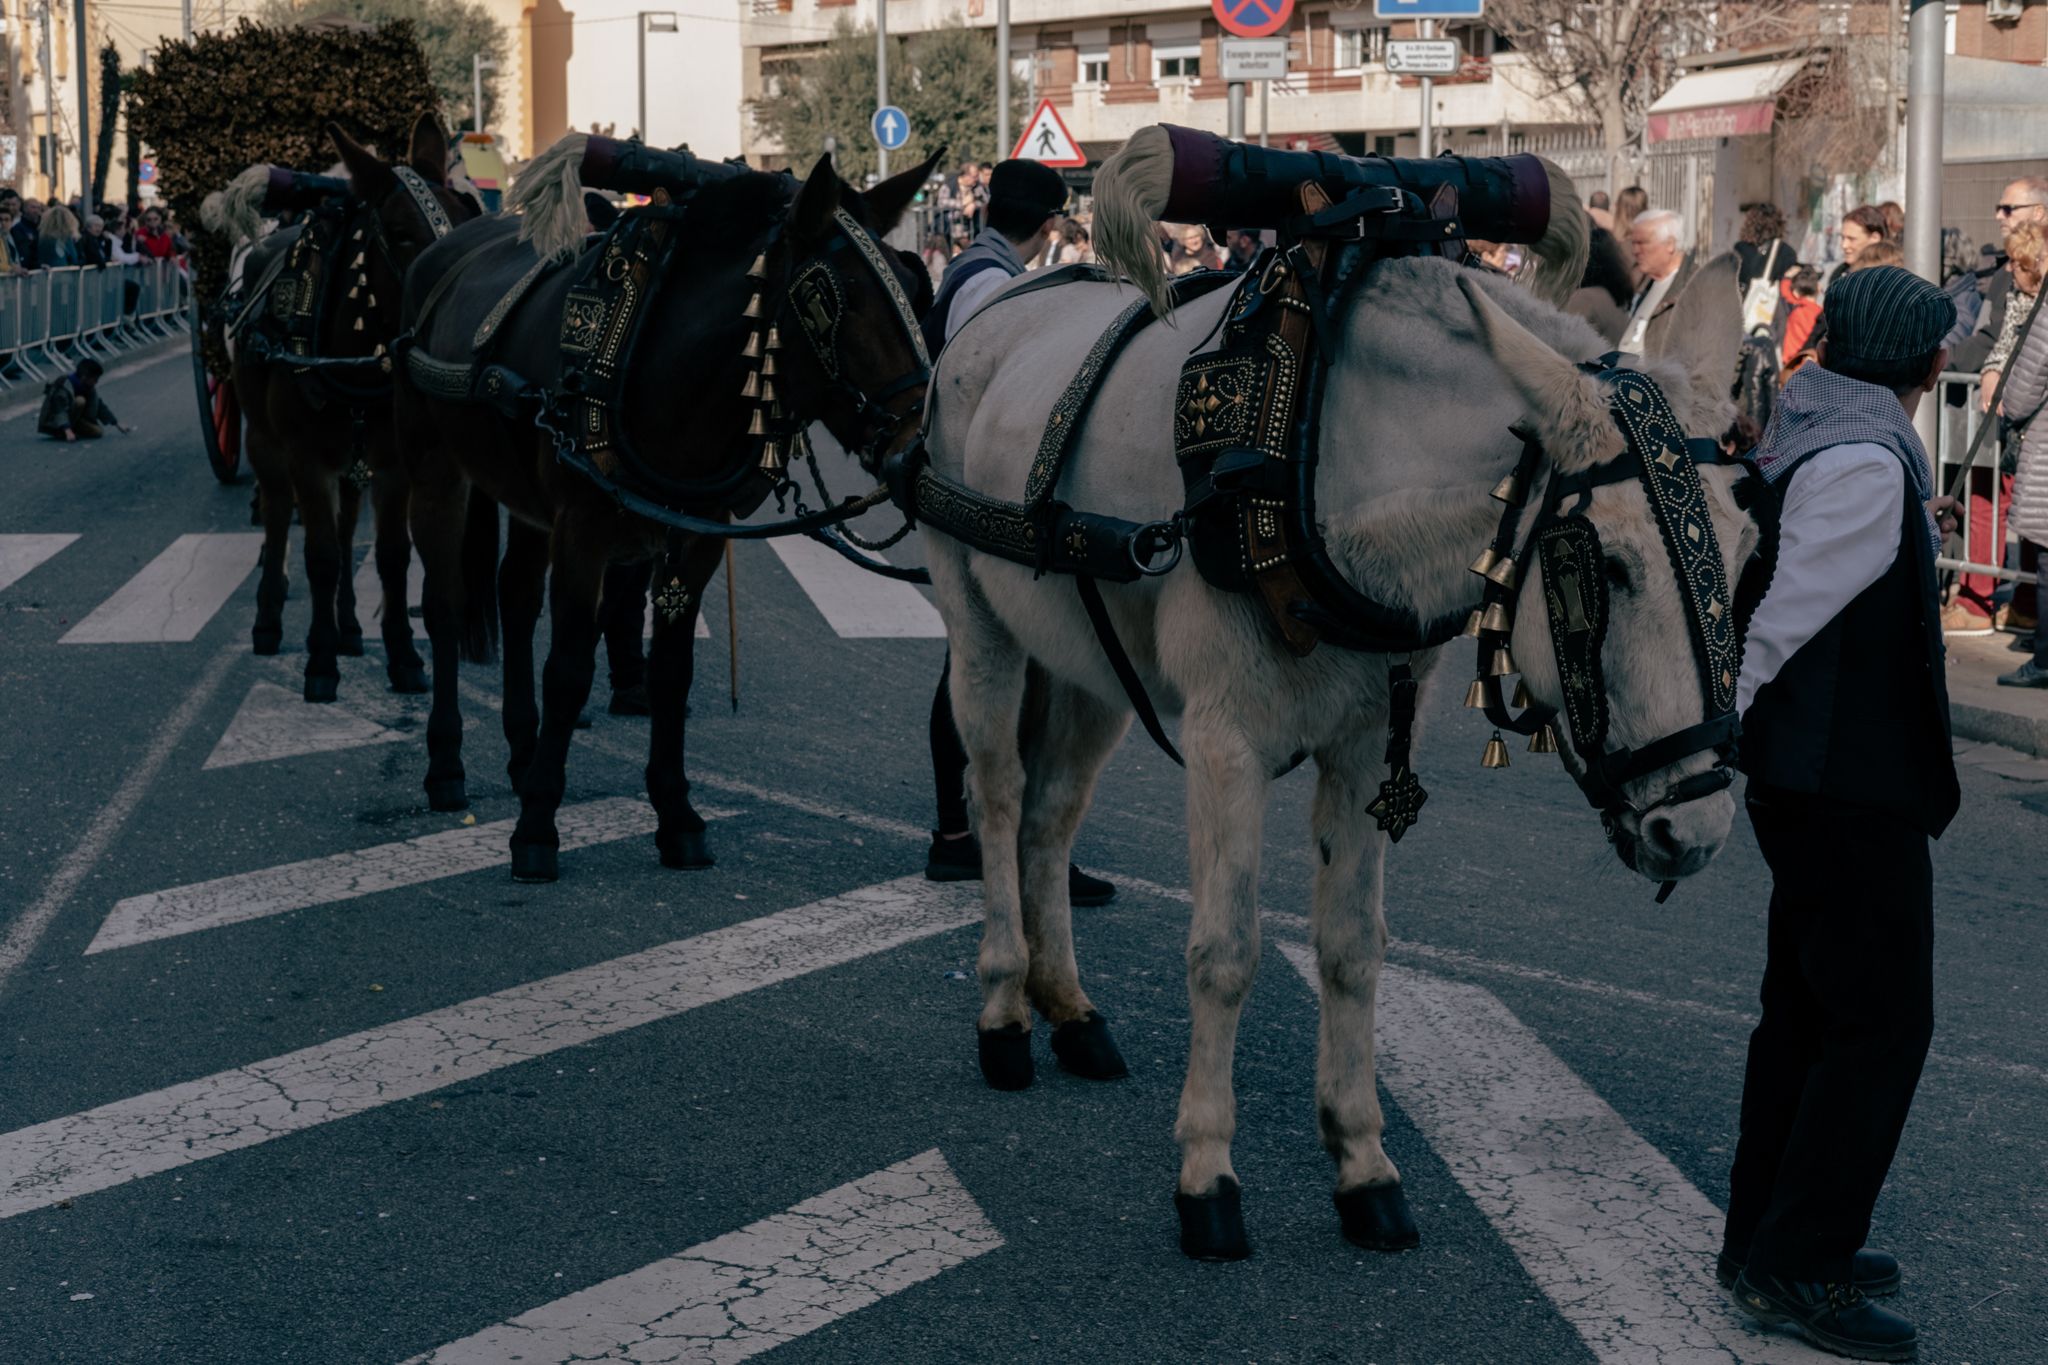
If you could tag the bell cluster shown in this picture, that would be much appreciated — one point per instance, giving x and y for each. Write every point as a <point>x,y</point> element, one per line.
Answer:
<point>763,342</point>
<point>1493,622</point>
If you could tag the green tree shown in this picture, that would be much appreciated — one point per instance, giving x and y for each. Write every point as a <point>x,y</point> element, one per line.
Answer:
<point>450,32</point>
<point>944,80</point>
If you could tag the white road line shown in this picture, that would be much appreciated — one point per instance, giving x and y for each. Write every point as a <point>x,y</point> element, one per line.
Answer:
<point>249,1105</point>
<point>274,722</point>
<point>28,930</point>
<point>370,596</point>
<point>21,553</point>
<point>175,594</point>
<point>1605,1225</point>
<point>359,872</point>
<point>753,1290</point>
<point>857,605</point>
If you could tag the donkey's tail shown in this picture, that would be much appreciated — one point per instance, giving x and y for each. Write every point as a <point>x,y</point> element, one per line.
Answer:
<point>1130,194</point>
<point>478,641</point>
<point>548,197</point>
<point>1560,254</point>
<point>236,211</point>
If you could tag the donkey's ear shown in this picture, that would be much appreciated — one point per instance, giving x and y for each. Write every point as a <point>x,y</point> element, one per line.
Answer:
<point>816,202</point>
<point>1705,331</point>
<point>1567,408</point>
<point>372,178</point>
<point>888,200</point>
<point>429,155</point>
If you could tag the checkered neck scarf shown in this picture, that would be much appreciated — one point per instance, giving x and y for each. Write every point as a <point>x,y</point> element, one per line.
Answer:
<point>1818,408</point>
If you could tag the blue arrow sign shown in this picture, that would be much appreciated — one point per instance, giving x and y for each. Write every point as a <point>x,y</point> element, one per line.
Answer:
<point>1428,9</point>
<point>892,128</point>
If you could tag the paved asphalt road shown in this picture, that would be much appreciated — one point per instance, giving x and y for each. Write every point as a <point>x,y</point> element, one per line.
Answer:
<point>359,1109</point>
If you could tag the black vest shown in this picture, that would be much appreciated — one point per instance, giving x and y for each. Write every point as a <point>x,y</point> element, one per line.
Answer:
<point>1859,715</point>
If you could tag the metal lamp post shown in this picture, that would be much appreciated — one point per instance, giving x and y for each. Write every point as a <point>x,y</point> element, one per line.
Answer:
<point>477,67</point>
<point>651,21</point>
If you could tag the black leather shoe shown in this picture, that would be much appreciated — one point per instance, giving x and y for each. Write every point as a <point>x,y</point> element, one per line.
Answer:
<point>1876,1273</point>
<point>953,860</point>
<point>1083,889</point>
<point>2028,674</point>
<point>1834,1317</point>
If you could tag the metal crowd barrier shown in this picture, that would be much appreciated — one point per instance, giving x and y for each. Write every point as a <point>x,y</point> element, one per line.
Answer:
<point>51,319</point>
<point>1955,427</point>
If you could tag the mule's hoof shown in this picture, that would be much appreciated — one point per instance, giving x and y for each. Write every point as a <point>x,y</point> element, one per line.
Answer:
<point>1376,1217</point>
<point>407,677</point>
<point>266,641</point>
<point>447,793</point>
<point>1005,1056</point>
<point>1085,1048</point>
<point>535,862</point>
<point>689,850</point>
<point>1212,1225</point>
<point>350,647</point>
<point>631,701</point>
<point>320,687</point>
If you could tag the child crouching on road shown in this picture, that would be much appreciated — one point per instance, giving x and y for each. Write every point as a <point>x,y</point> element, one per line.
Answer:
<point>73,408</point>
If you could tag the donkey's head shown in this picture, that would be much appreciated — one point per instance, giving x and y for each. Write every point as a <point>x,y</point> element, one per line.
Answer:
<point>852,355</point>
<point>1624,618</point>
<point>400,209</point>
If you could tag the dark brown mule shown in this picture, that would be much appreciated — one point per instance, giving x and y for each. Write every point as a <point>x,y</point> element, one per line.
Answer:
<point>692,405</point>
<point>319,422</point>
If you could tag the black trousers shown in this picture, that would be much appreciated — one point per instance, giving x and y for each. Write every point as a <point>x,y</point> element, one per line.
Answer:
<point>949,757</point>
<point>621,616</point>
<point>1848,1011</point>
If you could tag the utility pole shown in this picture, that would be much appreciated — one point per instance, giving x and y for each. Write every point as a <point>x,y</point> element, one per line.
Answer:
<point>1426,128</point>
<point>85,205</point>
<point>1002,77</point>
<point>477,67</point>
<point>186,26</point>
<point>47,162</point>
<point>881,80</point>
<point>1924,94</point>
<point>648,25</point>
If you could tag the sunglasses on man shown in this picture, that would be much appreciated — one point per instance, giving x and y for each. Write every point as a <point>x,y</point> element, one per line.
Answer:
<point>2008,210</point>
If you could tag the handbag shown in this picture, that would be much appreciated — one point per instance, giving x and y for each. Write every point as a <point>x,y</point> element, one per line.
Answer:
<point>1760,299</point>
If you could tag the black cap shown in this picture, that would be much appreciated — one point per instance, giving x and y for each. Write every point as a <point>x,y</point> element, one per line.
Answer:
<point>1884,314</point>
<point>1030,185</point>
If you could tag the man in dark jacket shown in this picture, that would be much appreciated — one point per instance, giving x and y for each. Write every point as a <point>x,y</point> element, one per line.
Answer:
<point>72,406</point>
<point>22,236</point>
<point>1846,744</point>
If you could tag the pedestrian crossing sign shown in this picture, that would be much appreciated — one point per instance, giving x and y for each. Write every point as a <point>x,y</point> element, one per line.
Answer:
<point>1046,139</point>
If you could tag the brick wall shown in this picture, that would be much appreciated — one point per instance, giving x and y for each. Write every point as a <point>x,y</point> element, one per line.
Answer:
<point>2025,41</point>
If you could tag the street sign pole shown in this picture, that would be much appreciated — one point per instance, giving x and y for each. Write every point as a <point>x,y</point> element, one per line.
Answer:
<point>1924,93</point>
<point>1426,128</point>
<point>881,80</point>
<point>1002,73</point>
<point>1236,90</point>
<point>1264,87</point>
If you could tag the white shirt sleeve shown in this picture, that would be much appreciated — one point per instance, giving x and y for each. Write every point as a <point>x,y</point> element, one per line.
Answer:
<point>969,297</point>
<point>1838,533</point>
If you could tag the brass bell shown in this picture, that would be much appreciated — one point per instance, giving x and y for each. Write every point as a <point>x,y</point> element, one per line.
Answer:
<point>1496,755</point>
<point>1544,741</point>
<point>1502,665</point>
<point>771,458</point>
<point>774,338</point>
<point>753,309</point>
<point>768,395</point>
<point>768,366</point>
<point>759,269</point>
<point>1522,697</point>
<point>1510,491</point>
<point>1488,557</point>
<point>759,426</point>
<point>372,302</point>
<point>359,325</point>
<point>1472,625</point>
<point>752,350</point>
<point>1475,695</point>
<point>1497,619</point>
<point>357,263</point>
<point>1502,572</point>
<point>352,290</point>
<point>752,388</point>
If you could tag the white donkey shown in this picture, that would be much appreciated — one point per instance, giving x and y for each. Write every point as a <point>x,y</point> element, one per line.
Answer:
<point>1433,365</point>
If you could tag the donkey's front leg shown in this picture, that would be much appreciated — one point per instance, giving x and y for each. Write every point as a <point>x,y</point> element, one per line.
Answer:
<point>679,587</point>
<point>1227,783</point>
<point>573,588</point>
<point>391,491</point>
<point>348,625</point>
<point>320,519</point>
<point>1350,929</point>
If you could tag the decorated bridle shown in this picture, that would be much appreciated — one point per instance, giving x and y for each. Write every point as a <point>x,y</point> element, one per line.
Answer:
<point>1656,454</point>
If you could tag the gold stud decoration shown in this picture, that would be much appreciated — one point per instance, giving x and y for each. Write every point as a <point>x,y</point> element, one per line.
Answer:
<point>1496,619</point>
<point>1544,741</point>
<point>672,599</point>
<point>1496,755</point>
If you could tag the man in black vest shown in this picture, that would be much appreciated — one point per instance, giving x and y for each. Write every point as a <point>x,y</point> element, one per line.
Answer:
<point>1846,744</point>
<point>1024,204</point>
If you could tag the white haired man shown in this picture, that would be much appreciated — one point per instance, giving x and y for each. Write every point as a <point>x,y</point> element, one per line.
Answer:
<point>1653,239</point>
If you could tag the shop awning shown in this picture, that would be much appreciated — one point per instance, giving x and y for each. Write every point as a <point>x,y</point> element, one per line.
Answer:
<point>1729,101</point>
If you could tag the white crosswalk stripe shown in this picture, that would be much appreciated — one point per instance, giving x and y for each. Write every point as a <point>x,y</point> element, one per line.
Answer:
<point>755,1289</point>
<point>274,722</point>
<point>857,605</point>
<point>175,594</point>
<point>240,1108</point>
<point>21,553</point>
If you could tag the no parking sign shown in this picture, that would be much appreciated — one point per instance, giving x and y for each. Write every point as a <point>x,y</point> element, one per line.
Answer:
<point>1252,18</point>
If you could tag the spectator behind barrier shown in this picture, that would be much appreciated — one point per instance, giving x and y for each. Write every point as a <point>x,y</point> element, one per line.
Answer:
<point>57,238</point>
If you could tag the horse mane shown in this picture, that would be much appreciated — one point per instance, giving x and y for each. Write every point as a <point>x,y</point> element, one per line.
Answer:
<point>1130,194</point>
<point>548,197</point>
<point>236,211</point>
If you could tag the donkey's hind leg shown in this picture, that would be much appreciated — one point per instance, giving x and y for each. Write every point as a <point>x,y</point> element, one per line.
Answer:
<point>574,582</point>
<point>1350,928</point>
<point>274,502</point>
<point>347,625</point>
<point>522,588</point>
<point>437,515</point>
<point>1068,735</point>
<point>320,522</point>
<point>1227,782</point>
<point>391,491</point>
<point>679,834</point>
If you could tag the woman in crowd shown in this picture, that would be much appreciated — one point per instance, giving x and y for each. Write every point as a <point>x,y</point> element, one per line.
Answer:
<point>1603,295</point>
<point>2026,250</point>
<point>57,238</point>
<point>2021,398</point>
<point>156,241</point>
<point>1862,227</point>
<point>1193,251</point>
<point>1959,281</point>
<point>1761,252</point>
<point>1070,246</point>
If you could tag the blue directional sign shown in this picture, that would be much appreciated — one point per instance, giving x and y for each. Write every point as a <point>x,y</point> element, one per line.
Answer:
<point>1428,9</point>
<point>892,128</point>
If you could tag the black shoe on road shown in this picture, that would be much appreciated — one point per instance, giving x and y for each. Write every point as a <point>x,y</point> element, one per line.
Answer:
<point>959,860</point>
<point>1834,1317</point>
<point>630,700</point>
<point>2028,674</point>
<point>1876,1273</point>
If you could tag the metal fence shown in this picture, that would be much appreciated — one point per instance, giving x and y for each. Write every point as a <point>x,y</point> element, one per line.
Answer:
<point>1987,544</point>
<point>51,319</point>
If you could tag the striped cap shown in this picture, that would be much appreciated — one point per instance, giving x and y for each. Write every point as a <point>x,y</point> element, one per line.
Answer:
<point>1884,314</point>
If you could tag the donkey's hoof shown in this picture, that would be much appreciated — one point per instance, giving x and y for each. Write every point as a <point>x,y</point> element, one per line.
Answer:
<point>350,646</point>
<point>447,793</point>
<point>1212,1225</point>
<point>1005,1056</point>
<point>1085,1048</point>
<point>321,687</point>
<point>689,850</point>
<point>266,641</point>
<point>631,700</point>
<point>1376,1217</point>
<point>411,678</point>
<point>535,862</point>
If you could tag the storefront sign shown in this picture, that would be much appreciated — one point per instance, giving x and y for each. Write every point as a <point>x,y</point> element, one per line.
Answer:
<point>1726,120</point>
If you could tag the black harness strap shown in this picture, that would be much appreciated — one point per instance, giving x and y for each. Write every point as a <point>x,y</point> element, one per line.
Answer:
<point>1120,663</point>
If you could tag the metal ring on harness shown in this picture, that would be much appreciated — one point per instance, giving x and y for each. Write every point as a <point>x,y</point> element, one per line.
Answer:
<point>1151,540</point>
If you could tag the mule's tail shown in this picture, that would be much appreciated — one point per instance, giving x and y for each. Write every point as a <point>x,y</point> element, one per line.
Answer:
<point>548,197</point>
<point>478,641</point>
<point>1560,254</point>
<point>1130,194</point>
<point>236,212</point>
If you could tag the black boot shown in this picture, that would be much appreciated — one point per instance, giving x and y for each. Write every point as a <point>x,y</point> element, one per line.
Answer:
<point>1876,1273</point>
<point>1834,1317</point>
<point>1083,889</point>
<point>953,860</point>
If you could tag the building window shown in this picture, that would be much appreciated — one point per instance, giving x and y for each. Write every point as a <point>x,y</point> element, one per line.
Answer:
<point>1354,44</point>
<point>1382,145</point>
<point>1350,53</point>
<point>1177,62</point>
<point>1094,67</point>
